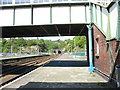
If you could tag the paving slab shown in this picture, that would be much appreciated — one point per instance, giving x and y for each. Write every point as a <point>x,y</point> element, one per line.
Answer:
<point>63,72</point>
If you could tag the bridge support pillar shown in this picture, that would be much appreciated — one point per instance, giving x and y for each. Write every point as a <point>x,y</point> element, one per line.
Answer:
<point>91,68</point>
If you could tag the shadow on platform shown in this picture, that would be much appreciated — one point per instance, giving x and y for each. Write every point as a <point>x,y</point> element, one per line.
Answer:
<point>57,63</point>
<point>20,69</point>
<point>67,63</point>
<point>63,85</point>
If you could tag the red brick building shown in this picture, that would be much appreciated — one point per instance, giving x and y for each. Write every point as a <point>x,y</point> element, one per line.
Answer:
<point>106,54</point>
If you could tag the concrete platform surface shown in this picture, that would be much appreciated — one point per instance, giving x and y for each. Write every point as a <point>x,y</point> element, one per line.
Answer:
<point>63,72</point>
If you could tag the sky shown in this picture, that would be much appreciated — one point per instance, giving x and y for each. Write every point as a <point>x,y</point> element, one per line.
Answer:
<point>52,38</point>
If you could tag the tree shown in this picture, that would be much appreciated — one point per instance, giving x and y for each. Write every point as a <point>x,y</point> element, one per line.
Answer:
<point>42,45</point>
<point>21,42</point>
<point>61,44</point>
<point>80,41</point>
<point>31,42</point>
<point>51,44</point>
<point>70,45</point>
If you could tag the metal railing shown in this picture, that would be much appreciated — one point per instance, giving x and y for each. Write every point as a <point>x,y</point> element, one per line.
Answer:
<point>14,2</point>
<point>103,2</point>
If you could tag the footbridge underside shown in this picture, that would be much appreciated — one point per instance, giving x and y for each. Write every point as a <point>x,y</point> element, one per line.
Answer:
<point>45,30</point>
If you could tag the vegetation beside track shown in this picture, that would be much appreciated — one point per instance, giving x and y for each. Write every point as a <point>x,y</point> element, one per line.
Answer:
<point>20,46</point>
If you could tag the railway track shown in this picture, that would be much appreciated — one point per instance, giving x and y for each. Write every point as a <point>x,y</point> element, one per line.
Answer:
<point>11,71</point>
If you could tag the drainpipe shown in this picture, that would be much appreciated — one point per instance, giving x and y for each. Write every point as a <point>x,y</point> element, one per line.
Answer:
<point>91,69</point>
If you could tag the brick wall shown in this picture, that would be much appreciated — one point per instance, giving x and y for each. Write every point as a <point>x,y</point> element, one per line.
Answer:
<point>104,61</point>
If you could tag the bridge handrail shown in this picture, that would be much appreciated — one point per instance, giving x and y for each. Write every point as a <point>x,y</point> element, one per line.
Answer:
<point>15,2</point>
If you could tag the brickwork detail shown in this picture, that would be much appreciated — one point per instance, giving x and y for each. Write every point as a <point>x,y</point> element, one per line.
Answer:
<point>105,60</point>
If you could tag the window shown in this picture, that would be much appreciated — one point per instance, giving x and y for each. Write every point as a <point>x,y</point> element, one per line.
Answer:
<point>54,0</point>
<point>59,0</point>
<point>21,1</point>
<point>0,2</point>
<point>40,1</point>
<point>4,1</point>
<point>17,1</point>
<point>98,49</point>
<point>9,1</point>
<point>35,1</point>
<point>65,0</point>
<point>73,0</point>
<point>46,0</point>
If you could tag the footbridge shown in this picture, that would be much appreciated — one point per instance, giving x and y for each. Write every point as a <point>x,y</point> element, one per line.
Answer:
<point>23,18</point>
<point>96,19</point>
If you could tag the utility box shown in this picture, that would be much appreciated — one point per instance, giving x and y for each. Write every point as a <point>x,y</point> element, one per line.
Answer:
<point>118,75</point>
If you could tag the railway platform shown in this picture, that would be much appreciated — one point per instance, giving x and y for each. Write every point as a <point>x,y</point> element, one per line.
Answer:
<point>19,57</point>
<point>63,72</point>
<point>16,57</point>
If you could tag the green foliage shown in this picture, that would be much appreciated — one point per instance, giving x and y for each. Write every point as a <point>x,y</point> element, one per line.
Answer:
<point>27,46</point>
<point>21,45</point>
<point>42,45</point>
<point>51,44</point>
<point>70,45</point>
<point>31,42</point>
<point>61,44</point>
<point>21,42</point>
<point>78,43</point>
